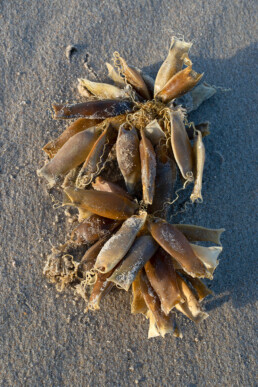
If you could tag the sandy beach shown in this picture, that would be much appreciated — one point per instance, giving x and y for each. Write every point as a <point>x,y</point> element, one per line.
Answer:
<point>45,338</point>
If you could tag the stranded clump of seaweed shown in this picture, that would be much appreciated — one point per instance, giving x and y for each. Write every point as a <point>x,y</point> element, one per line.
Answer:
<point>117,165</point>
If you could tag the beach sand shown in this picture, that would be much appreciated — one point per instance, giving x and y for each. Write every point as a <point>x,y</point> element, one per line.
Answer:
<point>45,338</point>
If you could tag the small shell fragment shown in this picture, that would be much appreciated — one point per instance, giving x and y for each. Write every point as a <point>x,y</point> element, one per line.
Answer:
<point>173,63</point>
<point>141,251</point>
<point>119,244</point>
<point>69,51</point>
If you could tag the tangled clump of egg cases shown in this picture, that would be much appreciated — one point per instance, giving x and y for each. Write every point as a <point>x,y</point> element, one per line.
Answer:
<point>147,159</point>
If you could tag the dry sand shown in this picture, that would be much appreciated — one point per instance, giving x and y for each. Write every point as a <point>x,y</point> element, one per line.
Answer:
<point>45,339</point>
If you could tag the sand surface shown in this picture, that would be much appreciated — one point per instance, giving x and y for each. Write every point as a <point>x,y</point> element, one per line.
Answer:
<point>45,338</point>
